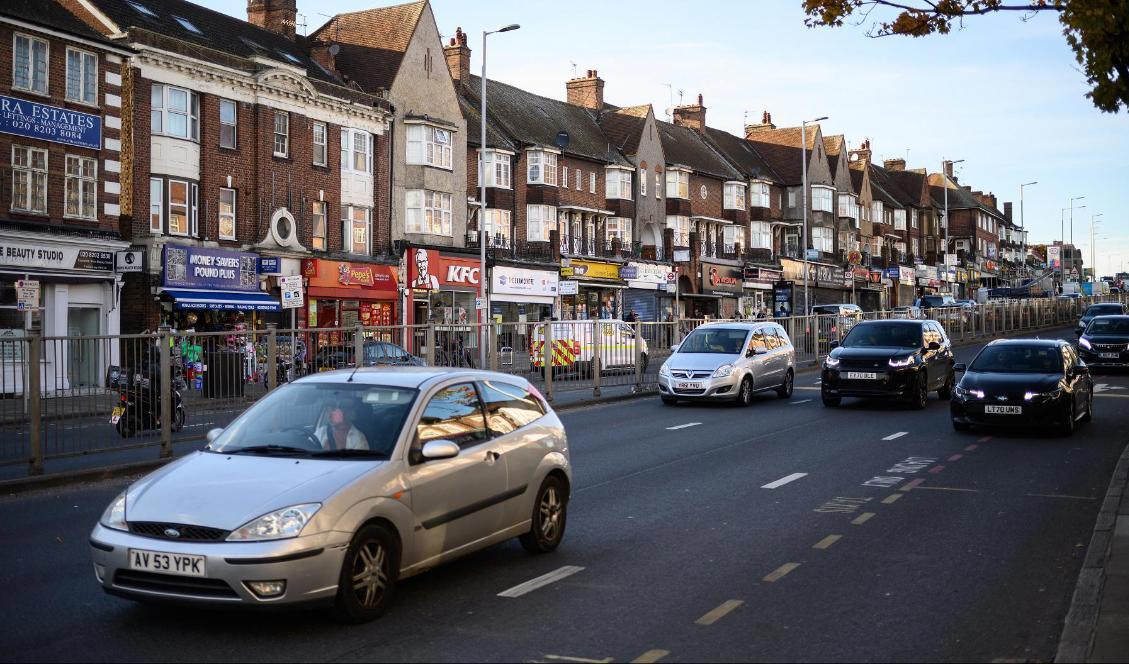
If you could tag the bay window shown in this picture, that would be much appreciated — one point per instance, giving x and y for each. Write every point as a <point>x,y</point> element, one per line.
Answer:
<point>29,64</point>
<point>877,212</point>
<point>541,167</point>
<point>175,112</point>
<point>357,222</point>
<point>822,199</point>
<point>498,169</point>
<point>29,179</point>
<point>429,146</point>
<point>823,239</point>
<point>618,183</point>
<point>82,76</point>
<point>618,227</point>
<point>678,184</point>
<point>227,214</point>
<point>681,227</point>
<point>734,198</point>
<point>539,221</point>
<point>498,228</point>
<point>428,212</point>
<point>848,206</point>
<point>759,195</point>
<point>356,151</point>
<point>900,220</point>
<point>760,235</point>
<point>81,187</point>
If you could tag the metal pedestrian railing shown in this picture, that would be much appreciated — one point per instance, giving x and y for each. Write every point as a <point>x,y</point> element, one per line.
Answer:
<point>73,404</point>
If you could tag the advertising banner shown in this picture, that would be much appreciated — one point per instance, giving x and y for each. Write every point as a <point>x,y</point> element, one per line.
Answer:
<point>429,270</point>
<point>907,275</point>
<point>645,276</point>
<point>210,269</point>
<point>590,270</point>
<point>343,277</point>
<point>783,299</point>
<point>1054,256</point>
<point>23,254</point>
<point>50,123</point>
<point>721,279</point>
<point>520,281</point>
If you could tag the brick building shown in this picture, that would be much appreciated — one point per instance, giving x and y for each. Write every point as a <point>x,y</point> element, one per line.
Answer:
<point>60,163</point>
<point>241,142</point>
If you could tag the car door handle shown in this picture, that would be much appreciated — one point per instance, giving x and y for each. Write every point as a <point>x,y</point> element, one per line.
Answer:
<point>492,456</point>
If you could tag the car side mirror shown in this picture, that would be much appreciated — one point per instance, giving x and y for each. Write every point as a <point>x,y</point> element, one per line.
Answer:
<point>960,368</point>
<point>934,345</point>
<point>1082,369</point>
<point>749,352</point>
<point>213,434</point>
<point>834,343</point>
<point>439,449</point>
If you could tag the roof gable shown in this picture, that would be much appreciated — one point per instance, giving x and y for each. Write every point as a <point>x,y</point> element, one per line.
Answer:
<point>373,41</point>
<point>686,147</point>
<point>781,148</point>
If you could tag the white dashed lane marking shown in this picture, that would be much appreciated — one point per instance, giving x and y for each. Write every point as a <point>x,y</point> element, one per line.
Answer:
<point>784,480</point>
<point>683,426</point>
<point>895,436</point>
<point>541,581</point>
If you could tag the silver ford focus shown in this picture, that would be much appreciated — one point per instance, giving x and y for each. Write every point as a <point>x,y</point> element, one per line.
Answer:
<point>332,488</point>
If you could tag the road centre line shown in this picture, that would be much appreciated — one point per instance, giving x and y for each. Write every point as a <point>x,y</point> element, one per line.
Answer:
<point>784,480</point>
<point>862,518</point>
<point>684,426</point>
<point>650,656</point>
<point>970,448</point>
<point>936,469</point>
<point>796,403</point>
<point>949,488</point>
<point>813,389</point>
<point>956,457</point>
<point>984,439</point>
<point>718,613</point>
<point>541,581</point>
<point>895,436</point>
<point>912,484</point>
<point>892,498</point>
<point>780,572</point>
<point>579,660</point>
<point>826,542</point>
<point>1060,495</point>
<point>1113,396</point>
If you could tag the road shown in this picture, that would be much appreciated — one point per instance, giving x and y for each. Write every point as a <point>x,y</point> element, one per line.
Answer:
<point>785,531</point>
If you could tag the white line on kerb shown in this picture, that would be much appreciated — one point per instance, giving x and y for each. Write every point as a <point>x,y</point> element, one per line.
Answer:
<point>796,403</point>
<point>541,581</point>
<point>683,426</point>
<point>894,436</point>
<point>784,480</point>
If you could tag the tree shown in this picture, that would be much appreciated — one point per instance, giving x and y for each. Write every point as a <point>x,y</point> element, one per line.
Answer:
<point>1097,30</point>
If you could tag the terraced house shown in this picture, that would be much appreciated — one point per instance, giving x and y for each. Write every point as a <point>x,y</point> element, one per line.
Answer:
<point>246,155</point>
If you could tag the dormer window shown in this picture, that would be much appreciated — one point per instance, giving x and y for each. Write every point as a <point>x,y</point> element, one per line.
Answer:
<point>678,183</point>
<point>734,196</point>
<point>618,183</point>
<point>541,167</point>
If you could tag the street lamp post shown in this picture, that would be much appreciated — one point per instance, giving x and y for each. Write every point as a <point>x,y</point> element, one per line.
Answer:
<point>1093,253</point>
<point>1076,198</point>
<point>804,170</point>
<point>1022,228</point>
<point>945,163</point>
<point>483,293</point>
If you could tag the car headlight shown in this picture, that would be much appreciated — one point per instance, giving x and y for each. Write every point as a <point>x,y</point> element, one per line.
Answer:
<point>664,370</point>
<point>831,362</point>
<point>723,371</point>
<point>968,394</point>
<point>904,362</point>
<point>1085,343</point>
<point>1042,396</point>
<point>279,524</point>
<point>114,516</point>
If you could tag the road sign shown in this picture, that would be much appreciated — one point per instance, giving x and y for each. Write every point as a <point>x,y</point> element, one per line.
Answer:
<point>567,287</point>
<point>812,254</point>
<point>129,261</point>
<point>27,294</point>
<point>854,257</point>
<point>670,277</point>
<point>293,297</point>
<point>479,303</point>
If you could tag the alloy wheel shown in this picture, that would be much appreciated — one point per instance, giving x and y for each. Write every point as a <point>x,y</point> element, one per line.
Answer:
<point>550,513</point>
<point>370,574</point>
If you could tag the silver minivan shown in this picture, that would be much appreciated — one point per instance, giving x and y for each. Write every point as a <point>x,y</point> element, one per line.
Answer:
<point>729,361</point>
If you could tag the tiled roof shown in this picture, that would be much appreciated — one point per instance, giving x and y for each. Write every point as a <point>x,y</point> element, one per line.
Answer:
<point>373,42</point>
<point>741,154</point>
<point>911,183</point>
<point>959,197</point>
<point>494,137</point>
<point>624,127</point>
<point>781,148</point>
<point>686,147</point>
<point>530,119</point>
<point>883,189</point>
<point>858,172</point>
<point>834,146</point>
<point>49,14</point>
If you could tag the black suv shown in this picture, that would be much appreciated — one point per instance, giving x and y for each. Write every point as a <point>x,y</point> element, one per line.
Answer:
<point>898,359</point>
<point>1095,310</point>
<point>1105,342</point>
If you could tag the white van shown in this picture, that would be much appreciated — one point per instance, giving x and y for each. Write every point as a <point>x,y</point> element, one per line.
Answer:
<point>575,344</point>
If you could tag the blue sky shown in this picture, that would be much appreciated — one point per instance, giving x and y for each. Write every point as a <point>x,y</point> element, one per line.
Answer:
<point>1003,94</point>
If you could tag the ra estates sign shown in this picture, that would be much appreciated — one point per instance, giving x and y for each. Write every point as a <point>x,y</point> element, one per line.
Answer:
<point>50,123</point>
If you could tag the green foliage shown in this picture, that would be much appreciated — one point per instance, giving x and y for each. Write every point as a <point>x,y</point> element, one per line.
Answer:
<point>1097,30</point>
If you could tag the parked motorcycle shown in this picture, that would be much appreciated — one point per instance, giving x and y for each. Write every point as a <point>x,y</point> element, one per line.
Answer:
<point>140,408</point>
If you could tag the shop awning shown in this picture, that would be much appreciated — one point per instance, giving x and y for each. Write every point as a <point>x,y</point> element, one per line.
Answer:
<point>190,300</point>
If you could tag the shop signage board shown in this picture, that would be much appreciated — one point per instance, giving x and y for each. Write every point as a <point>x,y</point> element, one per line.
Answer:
<point>23,254</point>
<point>270,265</point>
<point>350,276</point>
<point>567,287</point>
<point>721,279</point>
<point>27,294</point>
<point>30,119</point>
<point>129,261</point>
<point>591,270</point>
<point>629,271</point>
<point>520,281</point>
<point>210,268</point>
<point>479,303</point>
<point>681,255</point>
<point>292,293</point>
<point>646,275</point>
<point>907,275</point>
<point>823,275</point>
<point>428,269</point>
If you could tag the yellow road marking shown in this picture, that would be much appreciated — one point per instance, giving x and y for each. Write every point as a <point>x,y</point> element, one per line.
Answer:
<point>826,542</point>
<point>780,572</point>
<point>719,613</point>
<point>862,518</point>
<point>651,656</point>
<point>912,484</point>
<point>892,498</point>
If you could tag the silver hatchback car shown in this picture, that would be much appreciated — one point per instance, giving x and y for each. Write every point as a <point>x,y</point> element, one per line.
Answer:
<point>333,487</point>
<point>729,361</point>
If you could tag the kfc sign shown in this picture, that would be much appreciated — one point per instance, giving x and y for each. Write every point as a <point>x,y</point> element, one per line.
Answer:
<point>429,270</point>
<point>463,275</point>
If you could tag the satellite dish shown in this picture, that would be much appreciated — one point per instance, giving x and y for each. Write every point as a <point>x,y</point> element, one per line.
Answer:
<point>562,139</point>
<point>335,49</point>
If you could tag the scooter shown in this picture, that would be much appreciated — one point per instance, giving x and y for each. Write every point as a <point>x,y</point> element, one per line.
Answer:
<point>140,408</point>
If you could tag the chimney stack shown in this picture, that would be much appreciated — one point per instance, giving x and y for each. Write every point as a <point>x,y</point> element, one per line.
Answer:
<point>765,125</point>
<point>691,116</point>
<point>587,91</point>
<point>949,169</point>
<point>1007,210</point>
<point>458,58</point>
<point>325,54</point>
<point>894,164</point>
<point>279,16</point>
<point>863,153</point>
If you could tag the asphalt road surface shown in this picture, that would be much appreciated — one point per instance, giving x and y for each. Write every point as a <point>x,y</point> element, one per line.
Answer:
<point>785,531</point>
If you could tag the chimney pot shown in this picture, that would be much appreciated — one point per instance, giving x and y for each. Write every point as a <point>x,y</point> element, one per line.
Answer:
<point>586,92</point>
<point>458,58</point>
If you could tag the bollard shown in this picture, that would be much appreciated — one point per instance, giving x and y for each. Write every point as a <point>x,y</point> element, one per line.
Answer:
<point>597,360</point>
<point>272,356</point>
<point>166,393</point>
<point>638,355</point>
<point>429,345</point>
<point>35,429</point>
<point>359,346</point>
<point>547,360</point>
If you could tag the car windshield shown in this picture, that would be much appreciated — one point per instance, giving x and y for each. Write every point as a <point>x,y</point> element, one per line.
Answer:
<point>1104,310</point>
<point>1018,359</point>
<point>895,335</point>
<point>1109,326</point>
<point>332,420</point>
<point>722,340</point>
<point>939,301</point>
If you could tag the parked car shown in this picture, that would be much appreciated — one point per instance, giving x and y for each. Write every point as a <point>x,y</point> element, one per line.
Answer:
<point>909,312</point>
<point>333,488</point>
<point>729,361</point>
<point>829,322</point>
<point>890,359</point>
<point>1105,342</point>
<point>1024,383</point>
<point>376,354</point>
<point>1095,310</point>
<point>574,347</point>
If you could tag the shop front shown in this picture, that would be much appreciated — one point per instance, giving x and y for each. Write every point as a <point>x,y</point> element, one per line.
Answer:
<point>78,296</point>
<point>342,294</point>
<point>757,282</point>
<point>826,283</point>
<point>442,287</point>
<point>721,286</point>
<point>647,293</point>
<point>208,289</point>
<point>599,290</point>
<point>519,296</point>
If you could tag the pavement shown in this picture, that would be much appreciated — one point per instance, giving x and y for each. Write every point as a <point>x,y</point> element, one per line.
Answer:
<point>784,531</point>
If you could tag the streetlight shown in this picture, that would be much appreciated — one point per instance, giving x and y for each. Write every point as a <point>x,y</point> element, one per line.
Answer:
<point>1093,255</point>
<point>1062,233</point>
<point>1023,246</point>
<point>945,175</point>
<point>484,312</point>
<point>804,169</point>
<point>1072,266</point>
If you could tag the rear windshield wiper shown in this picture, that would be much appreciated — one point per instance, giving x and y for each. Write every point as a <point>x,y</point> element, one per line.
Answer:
<point>345,454</point>
<point>280,450</point>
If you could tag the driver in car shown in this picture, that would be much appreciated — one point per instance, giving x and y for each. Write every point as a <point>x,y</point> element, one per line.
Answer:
<point>337,431</point>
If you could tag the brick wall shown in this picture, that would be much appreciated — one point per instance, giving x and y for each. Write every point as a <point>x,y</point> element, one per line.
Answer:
<point>711,205</point>
<point>584,196</point>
